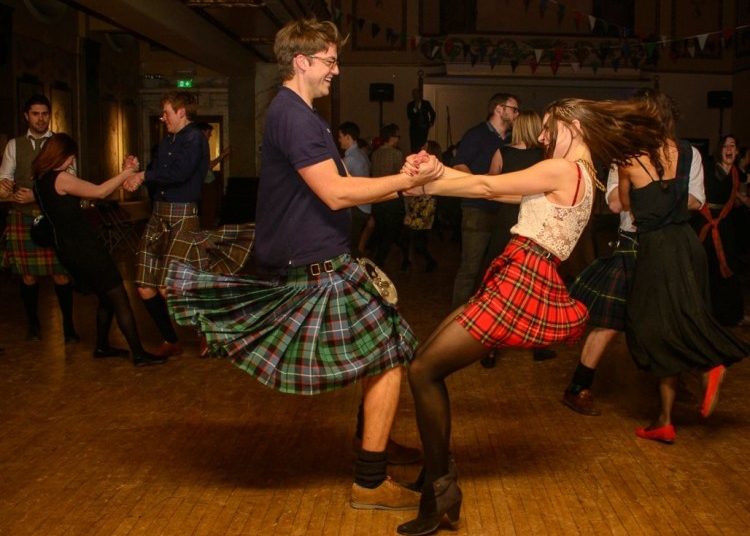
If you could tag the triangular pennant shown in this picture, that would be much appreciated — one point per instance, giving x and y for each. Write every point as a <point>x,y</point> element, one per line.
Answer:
<point>538,54</point>
<point>360,23</point>
<point>561,8</point>
<point>727,33</point>
<point>375,29</point>
<point>494,60</point>
<point>558,54</point>
<point>577,19</point>
<point>554,65</point>
<point>592,22</point>
<point>575,66</point>
<point>691,49</point>
<point>533,64</point>
<point>595,66</point>
<point>513,65</point>
<point>542,7</point>
<point>702,41</point>
<point>664,40</point>
<point>474,58</point>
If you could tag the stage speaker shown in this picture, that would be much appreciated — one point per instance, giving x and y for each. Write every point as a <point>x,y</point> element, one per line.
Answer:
<point>381,92</point>
<point>719,99</point>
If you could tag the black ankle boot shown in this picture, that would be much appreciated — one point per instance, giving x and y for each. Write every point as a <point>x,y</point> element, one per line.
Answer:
<point>445,500</point>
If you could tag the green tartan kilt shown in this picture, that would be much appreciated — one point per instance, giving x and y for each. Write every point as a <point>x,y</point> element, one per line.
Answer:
<point>21,254</point>
<point>299,334</point>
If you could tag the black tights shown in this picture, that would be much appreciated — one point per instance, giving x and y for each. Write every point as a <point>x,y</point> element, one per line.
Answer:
<point>115,302</point>
<point>449,348</point>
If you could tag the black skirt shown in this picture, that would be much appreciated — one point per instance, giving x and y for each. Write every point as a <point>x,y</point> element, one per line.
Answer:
<point>669,325</point>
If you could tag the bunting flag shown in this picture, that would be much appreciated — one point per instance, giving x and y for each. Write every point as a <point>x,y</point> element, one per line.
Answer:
<point>561,9</point>
<point>542,7</point>
<point>702,41</point>
<point>633,49</point>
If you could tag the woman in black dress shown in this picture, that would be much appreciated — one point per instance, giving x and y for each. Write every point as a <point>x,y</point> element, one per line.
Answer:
<point>78,246</point>
<point>669,326</point>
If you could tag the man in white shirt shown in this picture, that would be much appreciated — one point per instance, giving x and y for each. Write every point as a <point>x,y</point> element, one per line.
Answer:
<point>21,254</point>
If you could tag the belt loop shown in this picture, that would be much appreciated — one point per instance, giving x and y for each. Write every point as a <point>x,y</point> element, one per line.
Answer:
<point>314,269</point>
<point>328,266</point>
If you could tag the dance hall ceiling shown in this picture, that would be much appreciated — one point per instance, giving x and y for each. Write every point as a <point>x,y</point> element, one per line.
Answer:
<point>225,35</point>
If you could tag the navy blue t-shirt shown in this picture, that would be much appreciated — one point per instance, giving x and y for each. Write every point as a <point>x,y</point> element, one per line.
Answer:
<point>475,151</point>
<point>293,226</point>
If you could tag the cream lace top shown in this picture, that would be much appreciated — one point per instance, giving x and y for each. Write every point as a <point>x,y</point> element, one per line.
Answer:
<point>556,228</point>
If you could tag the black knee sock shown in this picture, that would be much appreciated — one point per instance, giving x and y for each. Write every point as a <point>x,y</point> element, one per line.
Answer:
<point>157,308</point>
<point>370,469</point>
<point>583,377</point>
<point>65,299</point>
<point>360,420</point>
<point>30,298</point>
<point>126,319</point>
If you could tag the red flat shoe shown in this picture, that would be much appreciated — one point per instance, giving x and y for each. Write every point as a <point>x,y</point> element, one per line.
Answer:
<point>665,434</point>
<point>713,379</point>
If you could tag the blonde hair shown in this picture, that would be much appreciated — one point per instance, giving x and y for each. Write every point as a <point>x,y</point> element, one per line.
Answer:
<point>526,129</point>
<point>306,37</point>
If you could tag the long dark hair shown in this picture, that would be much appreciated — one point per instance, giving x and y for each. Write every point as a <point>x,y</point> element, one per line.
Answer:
<point>55,151</point>
<point>615,131</point>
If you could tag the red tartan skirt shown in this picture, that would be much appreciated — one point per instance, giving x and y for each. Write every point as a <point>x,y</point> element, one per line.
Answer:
<point>523,302</point>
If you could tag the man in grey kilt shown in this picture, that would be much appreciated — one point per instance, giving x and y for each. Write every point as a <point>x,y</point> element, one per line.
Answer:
<point>311,321</point>
<point>174,180</point>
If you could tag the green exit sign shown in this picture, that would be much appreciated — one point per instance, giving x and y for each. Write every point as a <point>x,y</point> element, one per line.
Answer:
<point>185,83</point>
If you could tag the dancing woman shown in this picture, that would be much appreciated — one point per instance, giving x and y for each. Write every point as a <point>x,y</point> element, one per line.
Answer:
<point>522,301</point>
<point>79,248</point>
<point>669,327</point>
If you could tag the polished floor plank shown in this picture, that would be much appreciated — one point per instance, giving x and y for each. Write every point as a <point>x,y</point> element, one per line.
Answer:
<point>198,447</point>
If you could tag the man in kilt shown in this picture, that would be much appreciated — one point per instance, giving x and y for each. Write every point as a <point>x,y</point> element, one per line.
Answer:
<point>173,232</point>
<point>605,284</point>
<point>20,253</point>
<point>311,321</point>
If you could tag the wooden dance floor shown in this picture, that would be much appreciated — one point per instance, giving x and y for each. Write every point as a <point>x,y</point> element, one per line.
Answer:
<point>98,447</point>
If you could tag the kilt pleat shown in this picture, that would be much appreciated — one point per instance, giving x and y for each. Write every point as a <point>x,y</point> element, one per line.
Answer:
<point>21,254</point>
<point>604,286</point>
<point>300,334</point>
<point>523,302</point>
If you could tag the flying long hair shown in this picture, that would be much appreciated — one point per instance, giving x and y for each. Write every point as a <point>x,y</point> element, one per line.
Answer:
<point>615,131</point>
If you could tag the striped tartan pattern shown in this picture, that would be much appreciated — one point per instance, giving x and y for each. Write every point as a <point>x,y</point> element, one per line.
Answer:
<point>222,251</point>
<point>21,254</point>
<point>301,334</point>
<point>604,285</point>
<point>523,302</point>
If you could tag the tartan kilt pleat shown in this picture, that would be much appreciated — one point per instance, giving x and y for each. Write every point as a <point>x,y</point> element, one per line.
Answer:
<point>222,251</point>
<point>21,255</point>
<point>604,286</point>
<point>523,302</point>
<point>300,335</point>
